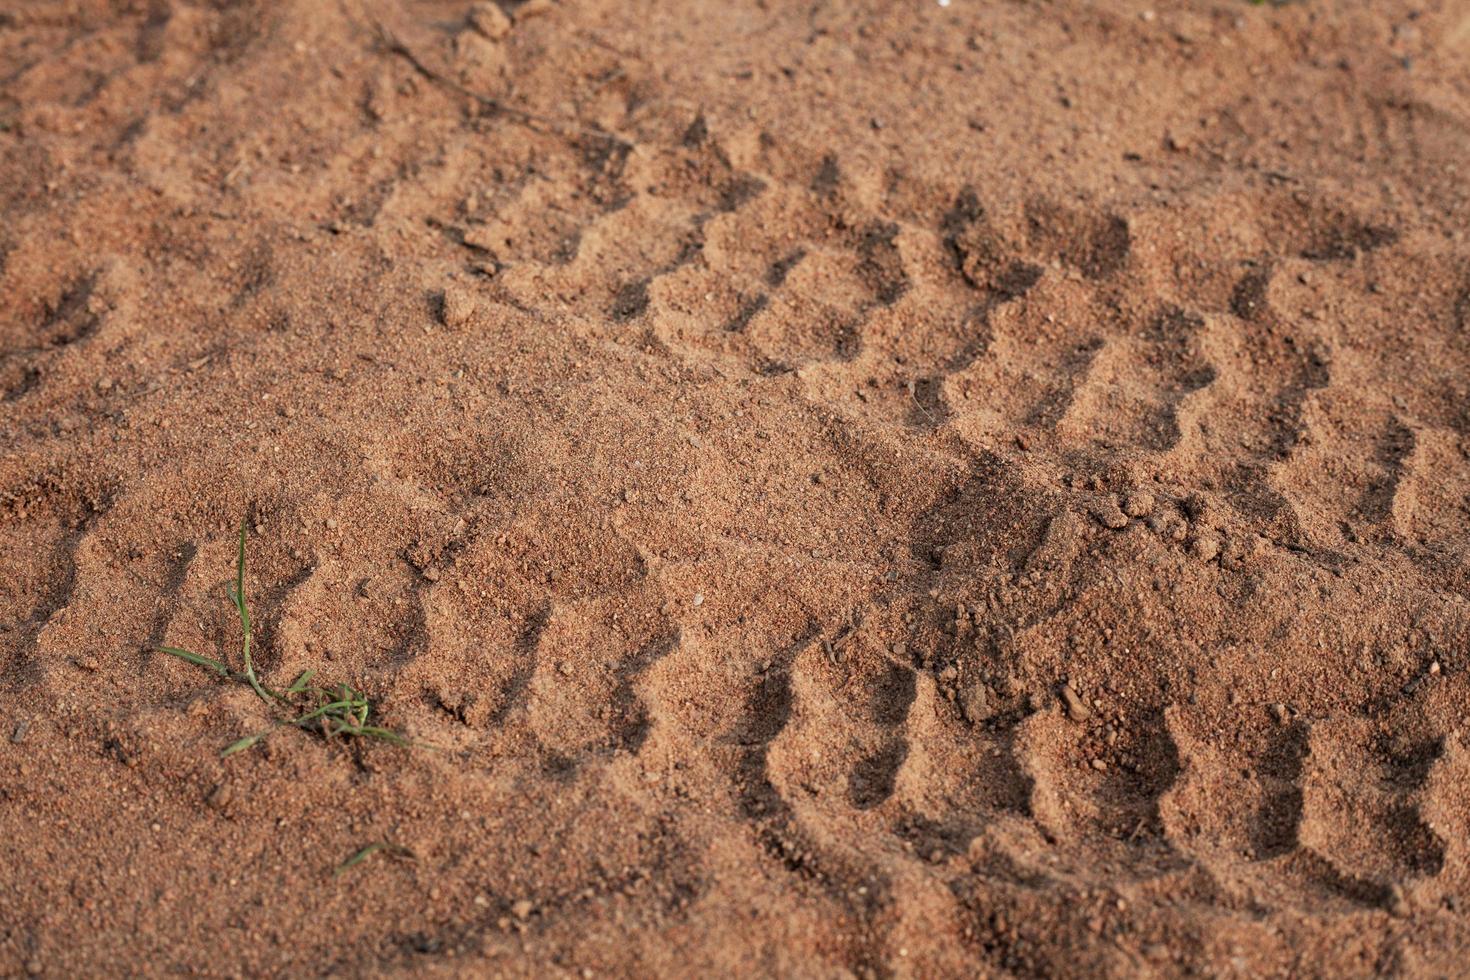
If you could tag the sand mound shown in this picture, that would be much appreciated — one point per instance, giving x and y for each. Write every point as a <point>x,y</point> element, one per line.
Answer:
<point>845,489</point>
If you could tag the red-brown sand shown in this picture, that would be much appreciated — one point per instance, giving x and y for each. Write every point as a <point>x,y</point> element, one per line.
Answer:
<point>872,489</point>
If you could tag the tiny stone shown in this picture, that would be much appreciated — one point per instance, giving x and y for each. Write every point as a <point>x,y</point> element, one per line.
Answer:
<point>522,909</point>
<point>1099,765</point>
<point>975,703</point>
<point>1077,709</point>
<point>699,598</point>
<point>1281,713</point>
<point>482,901</point>
<point>1139,503</point>
<point>1205,547</point>
<point>489,20</point>
<point>19,734</point>
<point>1398,902</point>
<point>459,306</point>
<point>220,796</point>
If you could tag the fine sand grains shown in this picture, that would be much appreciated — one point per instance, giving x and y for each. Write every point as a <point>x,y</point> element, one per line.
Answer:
<point>858,490</point>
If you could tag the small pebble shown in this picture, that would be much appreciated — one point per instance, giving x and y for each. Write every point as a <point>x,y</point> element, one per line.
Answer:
<point>975,703</point>
<point>1281,713</point>
<point>1398,902</point>
<point>1077,709</point>
<point>459,306</point>
<point>523,908</point>
<point>220,796</point>
<point>1205,547</point>
<point>1139,503</point>
<point>699,598</point>
<point>1099,765</point>
<point>489,20</point>
<point>19,734</point>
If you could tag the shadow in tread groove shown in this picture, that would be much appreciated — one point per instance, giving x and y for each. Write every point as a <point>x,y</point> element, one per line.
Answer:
<point>767,713</point>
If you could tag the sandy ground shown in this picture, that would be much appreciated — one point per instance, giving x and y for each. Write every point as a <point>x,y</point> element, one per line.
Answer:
<point>834,489</point>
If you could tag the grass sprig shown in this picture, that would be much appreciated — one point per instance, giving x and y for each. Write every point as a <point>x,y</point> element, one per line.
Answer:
<point>238,598</point>
<point>340,710</point>
<point>361,855</point>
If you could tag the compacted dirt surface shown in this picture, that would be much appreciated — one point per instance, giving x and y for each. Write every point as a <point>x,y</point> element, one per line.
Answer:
<point>830,489</point>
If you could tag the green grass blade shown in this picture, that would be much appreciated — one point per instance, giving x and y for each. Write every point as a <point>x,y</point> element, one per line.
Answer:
<point>195,658</point>
<point>273,693</point>
<point>244,610</point>
<point>372,731</point>
<point>240,746</point>
<point>341,710</point>
<point>240,571</point>
<point>315,713</point>
<point>250,676</point>
<point>368,851</point>
<point>361,856</point>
